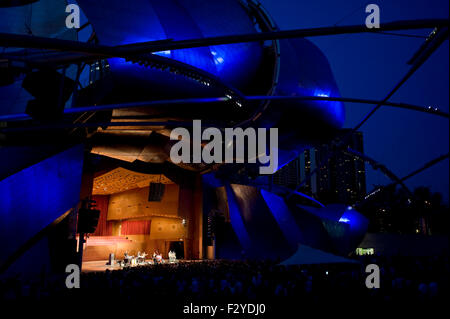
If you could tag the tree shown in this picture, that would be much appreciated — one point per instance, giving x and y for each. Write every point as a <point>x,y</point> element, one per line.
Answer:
<point>394,210</point>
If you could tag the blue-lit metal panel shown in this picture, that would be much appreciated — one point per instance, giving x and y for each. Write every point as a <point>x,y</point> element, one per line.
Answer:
<point>17,158</point>
<point>345,225</point>
<point>116,22</point>
<point>268,240</point>
<point>34,197</point>
<point>312,229</point>
<point>43,18</point>
<point>357,222</point>
<point>120,22</point>
<point>267,226</point>
<point>284,217</point>
<point>234,63</point>
<point>178,24</point>
<point>236,220</point>
<point>305,71</point>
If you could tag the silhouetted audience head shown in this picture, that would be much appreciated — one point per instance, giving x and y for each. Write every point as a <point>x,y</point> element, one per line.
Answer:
<point>403,280</point>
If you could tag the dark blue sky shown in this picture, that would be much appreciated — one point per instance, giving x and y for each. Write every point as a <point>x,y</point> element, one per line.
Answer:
<point>368,66</point>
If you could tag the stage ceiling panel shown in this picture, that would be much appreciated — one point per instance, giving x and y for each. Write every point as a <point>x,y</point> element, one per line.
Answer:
<point>120,179</point>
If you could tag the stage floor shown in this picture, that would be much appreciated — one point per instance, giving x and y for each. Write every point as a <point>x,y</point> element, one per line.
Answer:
<point>100,265</point>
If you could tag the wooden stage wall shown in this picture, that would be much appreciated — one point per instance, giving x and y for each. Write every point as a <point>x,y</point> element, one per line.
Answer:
<point>166,222</point>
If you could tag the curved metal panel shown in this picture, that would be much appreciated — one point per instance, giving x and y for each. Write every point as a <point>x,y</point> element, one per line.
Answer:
<point>34,197</point>
<point>116,22</point>
<point>305,71</point>
<point>235,64</point>
<point>44,18</point>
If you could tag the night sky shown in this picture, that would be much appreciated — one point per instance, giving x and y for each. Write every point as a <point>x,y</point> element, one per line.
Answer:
<point>368,66</point>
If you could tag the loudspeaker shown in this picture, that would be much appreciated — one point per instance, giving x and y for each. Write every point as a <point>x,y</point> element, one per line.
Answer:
<point>156,192</point>
<point>50,96</point>
<point>43,110</point>
<point>45,85</point>
<point>88,220</point>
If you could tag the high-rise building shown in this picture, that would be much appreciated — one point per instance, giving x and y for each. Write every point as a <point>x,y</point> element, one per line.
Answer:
<point>289,175</point>
<point>296,173</point>
<point>305,172</point>
<point>341,178</point>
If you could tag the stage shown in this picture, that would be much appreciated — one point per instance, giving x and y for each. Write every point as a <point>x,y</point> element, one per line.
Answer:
<point>101,265</point>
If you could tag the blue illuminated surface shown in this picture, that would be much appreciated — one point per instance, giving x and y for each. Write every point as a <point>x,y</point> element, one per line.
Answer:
<point>285,157</point>
<point>310,198</point>
<point>344,220</point>
<point>321,93</point>
<point>117,23</point>
<point>283,216</point>
<point>341,213</point>
<point>236,219</point>
<point>305,71</point>
<point>34,197</point>
<point>354,219</point>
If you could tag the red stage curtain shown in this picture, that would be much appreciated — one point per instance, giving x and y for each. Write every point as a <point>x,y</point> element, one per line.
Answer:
<point>135,227</point>
<point>104,227</point>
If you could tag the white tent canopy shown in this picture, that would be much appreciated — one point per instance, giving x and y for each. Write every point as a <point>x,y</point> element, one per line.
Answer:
<point>306,255</point>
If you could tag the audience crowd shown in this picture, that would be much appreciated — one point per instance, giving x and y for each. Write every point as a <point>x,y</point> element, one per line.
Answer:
<point>403,280</point>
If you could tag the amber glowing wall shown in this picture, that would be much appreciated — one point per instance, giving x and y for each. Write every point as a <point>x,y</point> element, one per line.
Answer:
<point>134,204</point>
<point>163,231</point>
<point>191,209</point>
<point>167,228</point>
<point>166,222</point>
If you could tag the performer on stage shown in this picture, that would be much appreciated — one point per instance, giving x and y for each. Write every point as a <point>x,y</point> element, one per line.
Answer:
<point>172,256</point>
<point>141,257</point>
<point>127,258</point>
<point>157,258</point>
